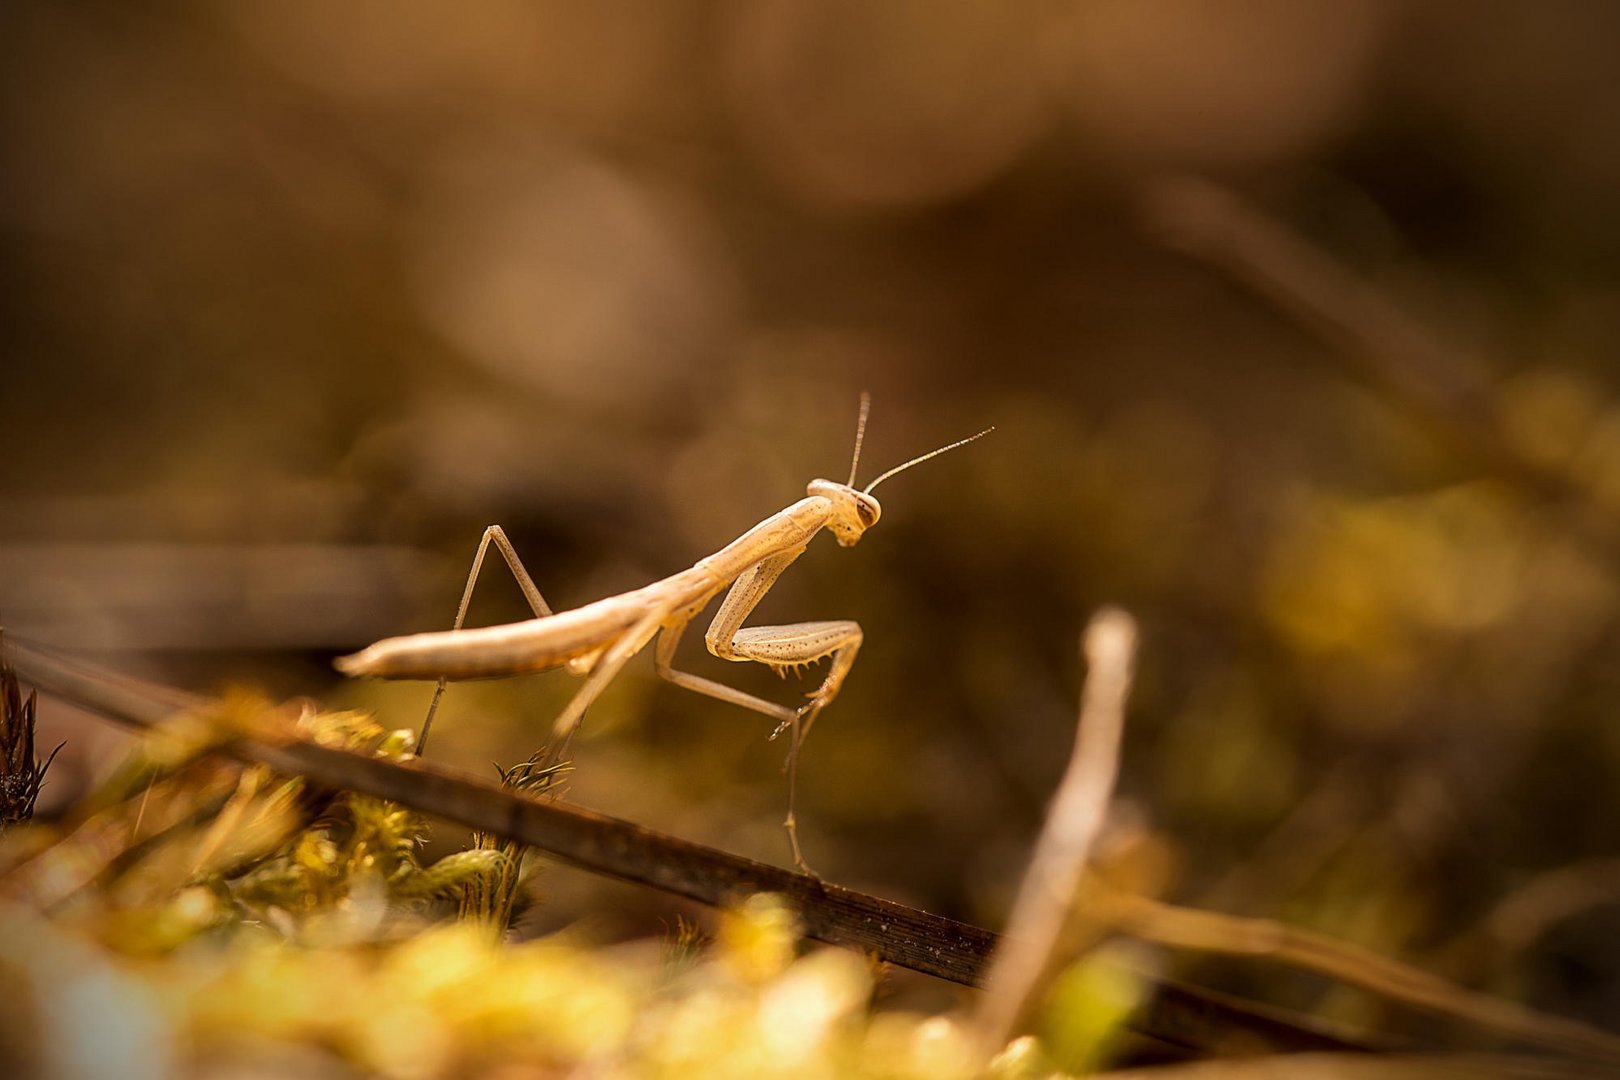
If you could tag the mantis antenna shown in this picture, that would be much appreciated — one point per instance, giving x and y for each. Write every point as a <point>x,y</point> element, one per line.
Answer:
<point>923,458</point>
<point>860,434</point>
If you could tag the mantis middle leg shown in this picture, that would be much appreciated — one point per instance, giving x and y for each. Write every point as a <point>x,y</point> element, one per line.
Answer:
<point>496,535</point>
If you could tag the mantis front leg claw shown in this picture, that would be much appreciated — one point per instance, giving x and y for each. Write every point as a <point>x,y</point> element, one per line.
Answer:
<point>816,704</point>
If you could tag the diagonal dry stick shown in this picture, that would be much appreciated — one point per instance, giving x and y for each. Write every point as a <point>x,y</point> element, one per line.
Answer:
<point>831,913</point>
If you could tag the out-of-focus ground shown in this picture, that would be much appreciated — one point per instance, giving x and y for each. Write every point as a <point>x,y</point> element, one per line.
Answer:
<point>299,297</point>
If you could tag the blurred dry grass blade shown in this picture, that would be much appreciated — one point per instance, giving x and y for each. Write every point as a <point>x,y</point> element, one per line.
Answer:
<point>112,839</point>
<point>1389,349</point>
<point>1072,826</point>
<point>1339,1066</point>
<point>1230,935</point>
<point>21,773</point>
<point>1382,345</point>
<point>1534,908</point>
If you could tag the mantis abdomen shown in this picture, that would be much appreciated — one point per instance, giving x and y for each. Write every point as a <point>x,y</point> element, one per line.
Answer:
<point>506,649</point>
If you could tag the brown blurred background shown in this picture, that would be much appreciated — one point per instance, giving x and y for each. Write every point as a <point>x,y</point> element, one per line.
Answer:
<point>299,297</point>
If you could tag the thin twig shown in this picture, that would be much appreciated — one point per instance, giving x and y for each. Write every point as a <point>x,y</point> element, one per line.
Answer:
<point>1072,825</point>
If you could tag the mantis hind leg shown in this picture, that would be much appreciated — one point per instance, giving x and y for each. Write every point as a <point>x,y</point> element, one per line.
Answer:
<point>496,535</point>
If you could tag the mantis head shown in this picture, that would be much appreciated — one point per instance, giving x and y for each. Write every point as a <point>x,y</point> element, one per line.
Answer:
<point>854,511</point>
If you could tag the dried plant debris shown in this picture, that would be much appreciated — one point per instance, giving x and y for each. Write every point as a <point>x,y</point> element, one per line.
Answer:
<point>228,918</point>
<point>495,895</point>
<point>21,772</point>
<point>194,916</point>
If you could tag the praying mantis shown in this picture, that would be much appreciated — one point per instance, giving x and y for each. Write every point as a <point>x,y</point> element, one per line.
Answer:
<point>596,640</point>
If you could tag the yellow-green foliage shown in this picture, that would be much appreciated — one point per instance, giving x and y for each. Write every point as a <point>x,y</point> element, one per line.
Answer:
<point>450,1000</point>
<point>200,917</point>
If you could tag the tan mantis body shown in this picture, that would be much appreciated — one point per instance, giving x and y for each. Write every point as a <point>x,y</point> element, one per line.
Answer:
<point>597,639</point>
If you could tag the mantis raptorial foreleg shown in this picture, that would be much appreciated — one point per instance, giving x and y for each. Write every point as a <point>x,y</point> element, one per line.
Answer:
<point>496,535</point>
<point>778,647</point>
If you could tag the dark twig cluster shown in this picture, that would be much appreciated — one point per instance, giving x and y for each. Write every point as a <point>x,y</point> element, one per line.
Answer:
<point>21,772</point>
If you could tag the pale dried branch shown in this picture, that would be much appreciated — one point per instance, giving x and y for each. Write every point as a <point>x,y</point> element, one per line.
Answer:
<point>1076,818</point>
